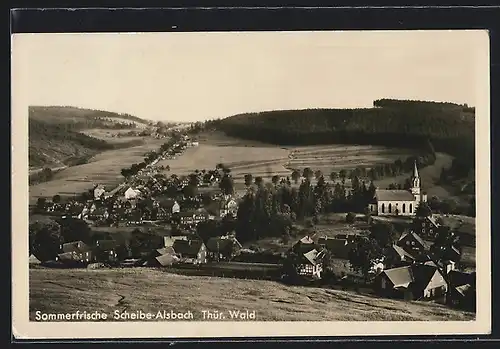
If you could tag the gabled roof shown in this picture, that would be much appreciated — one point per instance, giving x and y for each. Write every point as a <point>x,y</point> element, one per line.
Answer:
<point>415,237</point>
<point>423,275</point>
<point>400,277</point>
<point>227,245</point>
<point>166,250</point>
<point>75,246</point>
<point>189,248</point>
<point>393,195</point>
<point>166,259</point>
<point>402,253</point>
<point>462,289</point>
<point>34,260</point>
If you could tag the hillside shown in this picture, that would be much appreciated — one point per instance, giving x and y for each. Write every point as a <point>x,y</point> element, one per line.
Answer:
<point>395,123</point>
<point>55,140</point>
<point>80,117</point>
<point>67,290</point>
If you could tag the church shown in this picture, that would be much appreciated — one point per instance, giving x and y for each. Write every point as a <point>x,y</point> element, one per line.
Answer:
<point>398,202</point>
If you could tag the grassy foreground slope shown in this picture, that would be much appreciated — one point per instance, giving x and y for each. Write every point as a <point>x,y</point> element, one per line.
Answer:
<point>63,290</point>
<point>55,139</point>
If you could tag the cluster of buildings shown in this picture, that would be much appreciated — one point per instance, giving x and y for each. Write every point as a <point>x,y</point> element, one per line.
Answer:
<point>411,269</point>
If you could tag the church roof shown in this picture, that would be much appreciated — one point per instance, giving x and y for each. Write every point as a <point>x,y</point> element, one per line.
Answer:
<point>393,195</point>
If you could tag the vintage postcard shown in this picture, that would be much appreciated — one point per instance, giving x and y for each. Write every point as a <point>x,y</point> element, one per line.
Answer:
<point>249,184</point>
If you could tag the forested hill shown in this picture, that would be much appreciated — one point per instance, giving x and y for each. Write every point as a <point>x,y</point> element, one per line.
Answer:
<point>450,127</point>
<point>55,140</point>
<point>81,118</point>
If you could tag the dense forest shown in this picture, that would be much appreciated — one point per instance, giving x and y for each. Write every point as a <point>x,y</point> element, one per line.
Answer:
<point>397,123</point>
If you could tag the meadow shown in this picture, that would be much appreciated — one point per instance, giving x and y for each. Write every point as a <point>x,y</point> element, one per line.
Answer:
<point>104,168</point>
<point>337,157</point>
<point>107,290</point>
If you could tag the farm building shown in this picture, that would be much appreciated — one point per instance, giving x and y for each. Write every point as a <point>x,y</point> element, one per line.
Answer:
<point>415,282</point>
<point>191,251</point>
<point>412,243</point>
<point>338,247</point>
<point>310,264</point>
<point>168,241</point>
<point>399,202</point>
<point>76,251</point>
<point>222,247</point>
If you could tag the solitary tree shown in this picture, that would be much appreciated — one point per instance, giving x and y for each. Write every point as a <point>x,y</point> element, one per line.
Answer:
<point>333,176</point>
<point>307,173</point>
<point>56,199</point>
<point>295,176</point>
<point>248,179</point>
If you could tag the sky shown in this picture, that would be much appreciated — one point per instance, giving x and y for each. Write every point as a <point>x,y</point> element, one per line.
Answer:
<point>200,76</point>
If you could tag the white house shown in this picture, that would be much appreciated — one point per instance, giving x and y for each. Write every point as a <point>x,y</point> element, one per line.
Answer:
<point>398,202</point>
<point>131,193</point>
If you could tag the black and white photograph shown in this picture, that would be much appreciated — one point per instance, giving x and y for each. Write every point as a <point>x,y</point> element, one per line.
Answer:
<point>198,184</point>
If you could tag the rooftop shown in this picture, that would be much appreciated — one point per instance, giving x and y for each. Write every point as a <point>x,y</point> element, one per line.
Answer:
<point>393,195</point>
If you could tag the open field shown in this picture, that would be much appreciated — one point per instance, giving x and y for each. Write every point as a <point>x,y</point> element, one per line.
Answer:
<point>107,135</point>
<point>336,157</point>
<point>104,168</point>
<point>260,161</point>
<point>69,290</point>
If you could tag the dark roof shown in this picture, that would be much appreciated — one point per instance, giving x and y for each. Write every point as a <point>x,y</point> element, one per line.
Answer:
<point>423,274</point>
<point>166,203</point>
<point>393,195</point>
<point>221,244</point>
<point>416,237</point>
<point>458,278</point>
<point>75,246</point>
<point>188,248</point>
<point>106,244</point>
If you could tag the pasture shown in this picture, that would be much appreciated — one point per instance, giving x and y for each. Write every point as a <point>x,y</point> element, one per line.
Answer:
<point>69,290</point>
<point>104,168</point>
<point>336,157</point>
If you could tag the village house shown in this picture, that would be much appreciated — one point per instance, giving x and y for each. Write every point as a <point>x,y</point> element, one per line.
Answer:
<point>168,241</point>
<point>191,251</point>
<point>399,202</point>
<point>414,282</point>
<point>192,218</point>
<point>310,264</point>
<point>170,206</point>
<point>426,226</point>
<point>222,247</point>
<point>131,193</point>
<point>229,207</point>
<point>462,290</point>
<point>338,247</point>
<point>396,256</point>
<point>75,252</point>
<point>99,192</point>
<point>106,251</point>
<point>412,243</point>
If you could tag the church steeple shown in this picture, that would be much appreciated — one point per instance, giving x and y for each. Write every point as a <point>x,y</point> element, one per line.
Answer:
<point>415,170</point>
<point>415,180</point>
